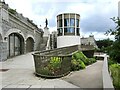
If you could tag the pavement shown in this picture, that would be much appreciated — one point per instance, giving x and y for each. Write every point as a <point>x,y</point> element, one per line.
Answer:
<point>91,77</point>
<point>19,73</point>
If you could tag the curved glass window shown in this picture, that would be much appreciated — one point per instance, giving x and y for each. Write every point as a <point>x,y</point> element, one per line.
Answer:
<point>78,31</point>
<point>66,22</point>
<point>60,23</point>
<point>69,31</point>
<point>77,22</point>
<point>72,30</point>
<point>72,22</point>
<point>60,31</point>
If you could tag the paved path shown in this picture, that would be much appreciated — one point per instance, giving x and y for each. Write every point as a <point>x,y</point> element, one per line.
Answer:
<point>20,74</point>
<point>91,77</point>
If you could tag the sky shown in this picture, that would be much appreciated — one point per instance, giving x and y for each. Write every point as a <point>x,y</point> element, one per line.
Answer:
<point>94,14</point>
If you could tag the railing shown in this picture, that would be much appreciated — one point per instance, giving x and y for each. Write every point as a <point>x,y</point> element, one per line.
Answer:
<point>107,82</point>
<point>58,51</point>
<point>63,56</point>
<point>42,61</point>
<point>43,69</point>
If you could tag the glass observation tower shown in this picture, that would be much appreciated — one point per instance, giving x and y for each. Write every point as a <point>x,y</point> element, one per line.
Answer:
<point>68,28</point>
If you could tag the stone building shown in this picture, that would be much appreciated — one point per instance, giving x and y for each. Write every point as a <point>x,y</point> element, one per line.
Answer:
<point>89,41</point>
<point>18,34</point>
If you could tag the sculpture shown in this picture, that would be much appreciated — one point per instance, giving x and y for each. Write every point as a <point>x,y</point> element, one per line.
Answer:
<point>46,22</point>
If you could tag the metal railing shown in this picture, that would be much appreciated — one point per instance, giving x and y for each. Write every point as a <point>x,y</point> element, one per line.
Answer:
<point>42,61</point>
<point>42,66</point>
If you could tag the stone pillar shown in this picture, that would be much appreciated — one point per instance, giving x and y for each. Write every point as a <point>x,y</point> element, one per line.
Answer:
<point>25,47</point>
<point>46,32</point>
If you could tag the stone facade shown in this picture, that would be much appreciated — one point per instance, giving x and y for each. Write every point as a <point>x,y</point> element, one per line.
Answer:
<point>20,34</point>
<point>89,41</point>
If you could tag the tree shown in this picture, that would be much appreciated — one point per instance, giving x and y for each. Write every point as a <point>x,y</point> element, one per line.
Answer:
<point>104,43</point>
<point>115,49</point>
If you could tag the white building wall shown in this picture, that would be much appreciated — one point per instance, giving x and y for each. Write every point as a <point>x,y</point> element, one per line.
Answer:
<point>119,9</point>
<point>64,41</point>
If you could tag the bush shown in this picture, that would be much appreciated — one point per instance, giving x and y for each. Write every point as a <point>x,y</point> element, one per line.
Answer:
<point>77,64</point>
<point>79,55</point>
<point>92,60</point>
<point>55,62</point>
<point>45,71</point>
<point>110,62</point>
<point>53,66</point>
<point>115,73</point>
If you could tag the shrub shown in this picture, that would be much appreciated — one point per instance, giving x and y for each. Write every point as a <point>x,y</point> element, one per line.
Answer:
<point>53,66</point>
<point>79,60</point>
<point>45,71</point>
<point>79,55</point>
<point>55,62</point>
<point>115,73</point>
<point>77,64</point>
<point>110,62</point>
<point>92,60</point>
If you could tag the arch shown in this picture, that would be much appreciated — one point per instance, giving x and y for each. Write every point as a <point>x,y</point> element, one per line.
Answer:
<point>14,30</point>
<point>29,44</point>
<point>15,44</point>
<point>30,36</point>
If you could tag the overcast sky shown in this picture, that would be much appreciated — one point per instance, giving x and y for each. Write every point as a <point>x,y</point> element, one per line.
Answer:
<point>94,14</point>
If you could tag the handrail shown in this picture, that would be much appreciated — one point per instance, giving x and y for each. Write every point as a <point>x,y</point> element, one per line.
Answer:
<point>107,82</point>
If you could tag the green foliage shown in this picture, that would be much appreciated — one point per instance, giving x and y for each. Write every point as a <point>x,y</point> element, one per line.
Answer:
<point>79,61</point>
<point>77,64</point>
<point>114,51</point>
<point>45,71</point>
<point>92,60</point>
<point>79,55</point>
<point>110,62</point>
<point>53,67</point>
<point>104,45</point>
<point>55,62</point>
<point>115,72</point>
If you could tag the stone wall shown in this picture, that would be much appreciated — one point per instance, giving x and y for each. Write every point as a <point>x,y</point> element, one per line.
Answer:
<point>3,51</point>
<point>15,23</point>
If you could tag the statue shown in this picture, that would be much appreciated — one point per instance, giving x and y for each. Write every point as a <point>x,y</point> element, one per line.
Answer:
<point>46,22</point>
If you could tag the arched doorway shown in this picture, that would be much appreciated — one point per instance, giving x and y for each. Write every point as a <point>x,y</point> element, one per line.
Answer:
<point>16,44</point>
<point>29,44</point>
